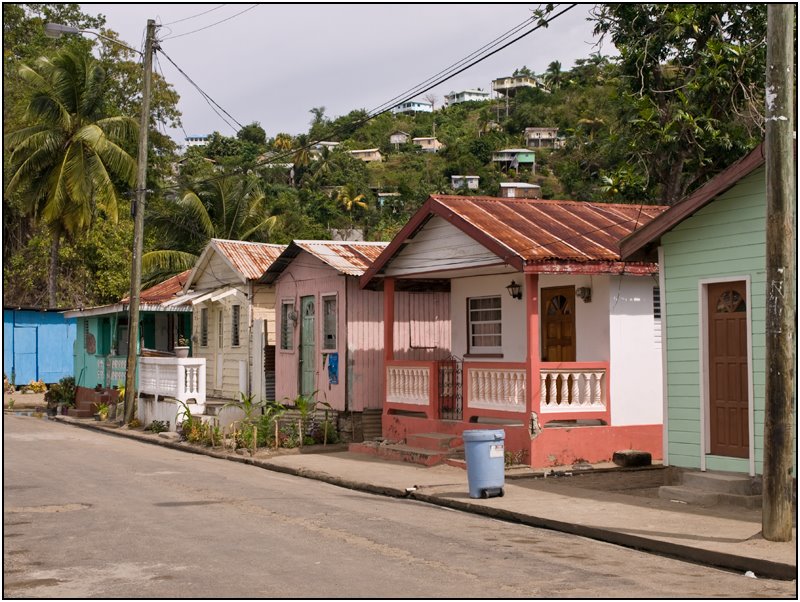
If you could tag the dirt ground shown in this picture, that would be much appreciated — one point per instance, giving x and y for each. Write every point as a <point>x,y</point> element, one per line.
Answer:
<point>23,400</point>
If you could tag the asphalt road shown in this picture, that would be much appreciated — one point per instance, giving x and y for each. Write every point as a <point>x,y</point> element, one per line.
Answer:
<point>90,515</point>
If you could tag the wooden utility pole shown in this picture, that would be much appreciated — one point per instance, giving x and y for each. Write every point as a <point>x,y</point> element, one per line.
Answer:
<point>781,273</point>
<point>138,226</point>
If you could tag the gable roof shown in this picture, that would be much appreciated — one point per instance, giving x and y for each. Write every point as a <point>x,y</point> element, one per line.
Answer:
<point>688,206</point>
<point>163,291</point>
<point>247,260</point>
<point>348,257</point>
<point>531,234</point>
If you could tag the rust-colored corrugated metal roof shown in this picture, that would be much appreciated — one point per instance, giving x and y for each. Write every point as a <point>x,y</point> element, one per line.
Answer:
<point>539,230</point>
<point>533,234</point>
<point>163,291</point>
<point>251,259</point>
<point>348,257</point>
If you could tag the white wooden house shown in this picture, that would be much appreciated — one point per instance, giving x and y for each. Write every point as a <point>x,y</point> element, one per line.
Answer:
<point>234,318</point>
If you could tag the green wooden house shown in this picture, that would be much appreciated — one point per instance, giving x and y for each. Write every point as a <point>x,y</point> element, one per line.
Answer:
<point>101,346</point>
<point>711,249</point>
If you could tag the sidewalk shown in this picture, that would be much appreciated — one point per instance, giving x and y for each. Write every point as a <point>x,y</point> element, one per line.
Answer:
<point>725,537</point>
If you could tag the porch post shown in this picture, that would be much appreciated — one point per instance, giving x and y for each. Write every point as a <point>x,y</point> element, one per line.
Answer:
<point>534,359</point>
<point>388,319</point>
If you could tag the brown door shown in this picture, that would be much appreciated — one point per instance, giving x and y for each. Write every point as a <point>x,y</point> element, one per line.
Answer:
<point>558,324</point>
<point>727,369</point>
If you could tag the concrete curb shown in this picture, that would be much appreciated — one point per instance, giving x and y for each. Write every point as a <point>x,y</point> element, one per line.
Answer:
<point>762,568</point>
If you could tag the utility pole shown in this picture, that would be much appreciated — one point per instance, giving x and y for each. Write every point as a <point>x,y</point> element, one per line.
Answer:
<point>138,226</point>
<point>781,273</point>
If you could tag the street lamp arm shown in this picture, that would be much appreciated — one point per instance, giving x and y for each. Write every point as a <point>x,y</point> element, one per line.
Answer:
<point>56,30</point>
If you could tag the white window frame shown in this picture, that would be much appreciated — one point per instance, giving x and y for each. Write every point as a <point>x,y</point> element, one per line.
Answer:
<point>323,322</point>
<point>482,349</point>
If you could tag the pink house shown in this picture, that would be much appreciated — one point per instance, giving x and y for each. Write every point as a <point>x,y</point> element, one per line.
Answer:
<point>331,332</point>
<point>554,338</point>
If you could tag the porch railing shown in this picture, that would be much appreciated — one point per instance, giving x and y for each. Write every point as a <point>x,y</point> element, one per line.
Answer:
<point>578,388</point>
<point>500,388</point>
<point>183,379</point>
<point>409,383</point>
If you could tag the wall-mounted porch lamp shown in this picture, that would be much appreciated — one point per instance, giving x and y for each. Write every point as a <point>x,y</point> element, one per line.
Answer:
<point>515,290</point>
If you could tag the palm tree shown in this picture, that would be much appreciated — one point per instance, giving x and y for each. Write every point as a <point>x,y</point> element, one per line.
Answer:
<point>282,142</point>
<point>64,162</point>
<point>553,75</point>
<point>232,207</point>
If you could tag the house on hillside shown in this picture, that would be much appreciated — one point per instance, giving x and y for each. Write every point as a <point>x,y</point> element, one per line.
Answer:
<point>37,345</point>
<point>413,106</point>
<point>553,336</point>
<point>515,158</point>
<point>429,144</point>
<point>520,190</point>
<point>101,350</point>
<point>468,182</point>
<point>397,138</point>
<point>509,86</point>
<point>711,247</point>
<point>476,95</point>
<point>331,332</point>
<point>234,318</point>
<point>541,137</point>
<point>367,154</point>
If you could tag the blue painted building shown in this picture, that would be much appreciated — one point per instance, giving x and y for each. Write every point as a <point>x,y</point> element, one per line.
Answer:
<point>37,345</point>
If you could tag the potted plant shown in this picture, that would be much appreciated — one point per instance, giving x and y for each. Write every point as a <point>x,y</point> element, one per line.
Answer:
<point>182,348</point>
<point>53,399</point>
<point>102,411</point>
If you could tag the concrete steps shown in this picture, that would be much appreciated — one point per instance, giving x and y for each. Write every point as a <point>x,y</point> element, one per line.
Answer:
<point>713,488</point>
<point>426,449</point>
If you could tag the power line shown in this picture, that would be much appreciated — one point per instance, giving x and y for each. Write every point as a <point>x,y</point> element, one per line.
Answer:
<point>449,74</point>
<point>205,12</point>
<point>161,72</point>
<point>211,102</point>
<point>212,25</point>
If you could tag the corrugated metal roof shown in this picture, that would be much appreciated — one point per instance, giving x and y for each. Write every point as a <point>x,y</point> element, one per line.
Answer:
<point>251,259</point>
<point>163,291</point>
<point>349,257</point>
<point>539,230</point>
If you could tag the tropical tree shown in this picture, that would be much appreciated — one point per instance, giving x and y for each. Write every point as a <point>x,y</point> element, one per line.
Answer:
<point>553,75</point>
<point>67,162</point>
<point>282,141</point>
<point>232,207</point>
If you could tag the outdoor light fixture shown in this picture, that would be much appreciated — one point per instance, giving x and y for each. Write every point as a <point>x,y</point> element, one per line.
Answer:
<point>515,290</point>
<point>585,293</point>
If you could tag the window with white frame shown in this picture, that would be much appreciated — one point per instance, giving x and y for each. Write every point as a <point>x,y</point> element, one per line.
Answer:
<point>287,321</point>
<point>329,322</point>
<point>204,327</point>
<point>236,313</point>
<point>484,322</point>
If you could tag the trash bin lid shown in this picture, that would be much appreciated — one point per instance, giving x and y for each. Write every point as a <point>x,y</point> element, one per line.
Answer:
<point>484,435</point>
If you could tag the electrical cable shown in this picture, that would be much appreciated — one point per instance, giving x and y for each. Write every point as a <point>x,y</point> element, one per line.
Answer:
<point>373,115</point>
<point>208,99</point>
<point>195,16</point>
<point>212,25</point>
<point>161,72</point>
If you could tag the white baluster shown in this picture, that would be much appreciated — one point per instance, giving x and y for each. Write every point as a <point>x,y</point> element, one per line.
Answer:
<point>587,388</point>
<point>553,389</point>
<point>575,393</point>
<point>565,389</point>
<point>598,389</point>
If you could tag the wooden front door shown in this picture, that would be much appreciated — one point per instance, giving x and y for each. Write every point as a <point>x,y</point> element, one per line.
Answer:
<point>307,346</point>
<point>727,370</point>
<point>558,324</point>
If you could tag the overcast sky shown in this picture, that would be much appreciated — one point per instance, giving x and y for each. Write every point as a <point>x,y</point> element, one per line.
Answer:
<point>273,63</point>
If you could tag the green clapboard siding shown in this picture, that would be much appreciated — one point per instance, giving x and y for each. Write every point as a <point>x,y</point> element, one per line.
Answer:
<point>725,238</point>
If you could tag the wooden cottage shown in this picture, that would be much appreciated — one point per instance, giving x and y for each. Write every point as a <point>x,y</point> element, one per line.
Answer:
<point>711,247</point>
<point>234,318</point>
<point>331,332</point>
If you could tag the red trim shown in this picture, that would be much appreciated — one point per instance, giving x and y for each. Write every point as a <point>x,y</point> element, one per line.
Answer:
<point>534,355</point>
<point>690,205</point>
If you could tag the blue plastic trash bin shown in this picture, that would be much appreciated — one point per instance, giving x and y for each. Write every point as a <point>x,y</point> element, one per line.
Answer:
<point>484,451</point>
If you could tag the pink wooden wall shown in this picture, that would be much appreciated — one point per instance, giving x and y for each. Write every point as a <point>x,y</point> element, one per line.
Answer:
<point>422,332</point>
